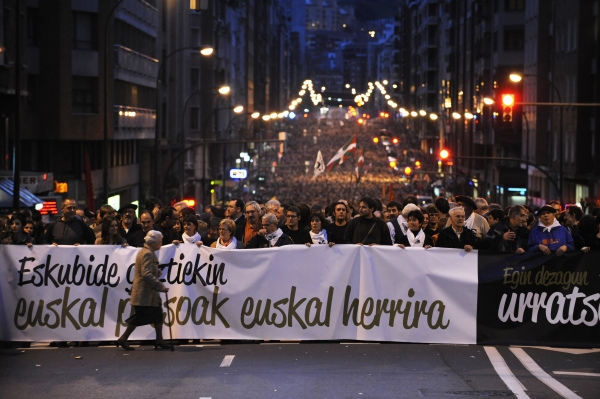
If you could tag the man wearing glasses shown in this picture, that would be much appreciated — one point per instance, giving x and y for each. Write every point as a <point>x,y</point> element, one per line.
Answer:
<point>456,235</point>
<point>509,235</point>
<point>292,228</point>
<point>270,235</point>
<point>69,230</point>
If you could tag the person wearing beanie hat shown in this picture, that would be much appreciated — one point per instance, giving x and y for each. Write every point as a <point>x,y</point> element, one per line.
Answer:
<point>549,235</point>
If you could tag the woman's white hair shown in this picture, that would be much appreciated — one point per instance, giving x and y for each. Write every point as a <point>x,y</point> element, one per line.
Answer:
<point>153,236</point>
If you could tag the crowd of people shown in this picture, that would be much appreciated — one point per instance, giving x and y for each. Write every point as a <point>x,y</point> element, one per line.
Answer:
<point>460,222</point>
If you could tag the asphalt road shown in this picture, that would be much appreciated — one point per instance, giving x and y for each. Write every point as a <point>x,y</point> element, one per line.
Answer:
<point>300,370</point>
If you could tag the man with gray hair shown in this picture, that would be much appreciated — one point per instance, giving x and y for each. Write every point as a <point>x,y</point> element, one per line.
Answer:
<point>252,225</point>
<point>273,206</point>
<point>456,235</point>
<point>270,235</point>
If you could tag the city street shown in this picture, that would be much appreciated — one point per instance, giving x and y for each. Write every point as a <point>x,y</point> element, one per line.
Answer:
<point>300,370</point>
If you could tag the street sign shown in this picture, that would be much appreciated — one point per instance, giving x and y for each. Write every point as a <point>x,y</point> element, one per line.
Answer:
<point>238,173</point>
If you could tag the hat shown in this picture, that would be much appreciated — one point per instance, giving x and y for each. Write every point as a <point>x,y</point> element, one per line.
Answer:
<point>466,200</point>
<point>128,206</point>
<point>409,208</point>
<point>546,209</point>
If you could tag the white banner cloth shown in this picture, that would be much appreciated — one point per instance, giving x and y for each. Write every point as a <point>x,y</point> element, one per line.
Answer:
<point>295,292</point>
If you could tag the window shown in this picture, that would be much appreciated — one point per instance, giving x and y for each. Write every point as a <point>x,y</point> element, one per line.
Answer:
<point>84,31</point>
<point>514,39</point>
<point>194,112</point>
<point>515,5</point>
<point>195,78</point>
<point>85,95</point>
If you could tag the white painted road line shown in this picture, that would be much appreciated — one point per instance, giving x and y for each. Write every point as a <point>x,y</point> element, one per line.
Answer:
<point>227,361</point>
<point>504,372</point>
<point>541,375</point>
<point>577,373</point>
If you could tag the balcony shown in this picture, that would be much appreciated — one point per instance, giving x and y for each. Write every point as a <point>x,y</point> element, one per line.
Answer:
<point>134,123</point>
<point>134,67</point>
<point>139,14</point>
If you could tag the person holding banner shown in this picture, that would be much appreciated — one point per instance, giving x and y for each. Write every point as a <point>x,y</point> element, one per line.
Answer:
<point>367,229</point>
<point>415,236</point>
<point>270,235</point>
<point>318,234</point>
<point>227,238</point>
<point>456,235</point>
<point>145,297</point>
<point>549,235</point>
<point>109,235</point>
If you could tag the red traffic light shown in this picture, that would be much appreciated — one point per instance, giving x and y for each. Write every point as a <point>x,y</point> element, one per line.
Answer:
<point>444,154</point>
<point>508,100</point>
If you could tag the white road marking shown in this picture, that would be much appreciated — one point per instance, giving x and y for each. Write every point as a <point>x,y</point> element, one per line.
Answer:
<point>577,373</point>
<point>504,372</point>
<point>227,361</point>
<point>359,343</point>
<point>571,351</point>
<point>541,375</point>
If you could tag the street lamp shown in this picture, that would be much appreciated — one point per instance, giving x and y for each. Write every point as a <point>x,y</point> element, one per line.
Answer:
<point>203,50</point>
<point>517,78</point>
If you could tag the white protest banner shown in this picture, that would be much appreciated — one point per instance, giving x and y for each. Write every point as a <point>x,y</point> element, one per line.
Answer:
<point>374,293</point>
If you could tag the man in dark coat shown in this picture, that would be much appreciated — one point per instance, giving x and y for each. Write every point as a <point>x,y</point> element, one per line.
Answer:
<point>129,229</point>
<point>456,235</point>
<point>509,235</point>
<point>270,235</point>
<point>367,229</point>
<point>235,212</point>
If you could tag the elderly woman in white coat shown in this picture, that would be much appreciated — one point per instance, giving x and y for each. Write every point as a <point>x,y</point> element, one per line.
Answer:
<point>145,297</point>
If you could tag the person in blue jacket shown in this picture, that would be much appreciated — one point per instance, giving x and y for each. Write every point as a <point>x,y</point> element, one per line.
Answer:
<point>549,235</point>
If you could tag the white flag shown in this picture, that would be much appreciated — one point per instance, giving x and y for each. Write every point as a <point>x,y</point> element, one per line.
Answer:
<point>319,165</point>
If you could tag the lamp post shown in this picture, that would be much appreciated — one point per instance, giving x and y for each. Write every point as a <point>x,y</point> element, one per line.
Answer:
<point>561,179</point>
<point>203,50</point>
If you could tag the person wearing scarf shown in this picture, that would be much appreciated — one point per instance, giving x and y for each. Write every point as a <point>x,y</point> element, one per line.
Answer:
<point>270,235</point>
<point>415,236</point>
<point>190,233</point>
<point>318,234</point>
<point>227,238</point>
<point>549,235</point>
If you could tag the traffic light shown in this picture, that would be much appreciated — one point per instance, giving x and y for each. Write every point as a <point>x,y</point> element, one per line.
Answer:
<point>407,171</point>
<point>444,154</point>
<point>508,102</point>
<point>417,164</point>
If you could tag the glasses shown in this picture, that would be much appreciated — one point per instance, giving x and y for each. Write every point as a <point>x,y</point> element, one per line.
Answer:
<point>459,216</point>
<point>291,216</point>
<point>223,229</point>
<point>71,208</point>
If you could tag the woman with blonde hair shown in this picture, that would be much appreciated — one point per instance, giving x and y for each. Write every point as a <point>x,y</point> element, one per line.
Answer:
<point>226,238</point>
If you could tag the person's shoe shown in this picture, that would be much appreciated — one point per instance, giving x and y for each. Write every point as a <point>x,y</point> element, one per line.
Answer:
<point>162,345</point>
<point>123,343</point>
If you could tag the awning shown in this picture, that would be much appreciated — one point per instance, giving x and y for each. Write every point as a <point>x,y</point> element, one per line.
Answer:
<point>26,198</point>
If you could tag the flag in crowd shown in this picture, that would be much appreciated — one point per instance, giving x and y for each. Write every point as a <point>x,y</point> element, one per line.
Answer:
<point>319,165</point>
<point>359,168</point>
<point>342,153</point>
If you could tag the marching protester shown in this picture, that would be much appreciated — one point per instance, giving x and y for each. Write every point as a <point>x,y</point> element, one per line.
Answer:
<point>15,234</point>
<point>415,236</point>
<point>69,230</point>
<point>549,235</point>
<point>336,230</point>
<point>318,234</point>
<point>270,235</point>
<point>367,229</point>
<point>109,234</point>
<point>252,224</point>
<point>145,297</point>
<point>292,226</point>
<point>456,235</point>
<point>509,235</point>
<point>227,239</point>
<point>130,229</point>
<point>190,233</point>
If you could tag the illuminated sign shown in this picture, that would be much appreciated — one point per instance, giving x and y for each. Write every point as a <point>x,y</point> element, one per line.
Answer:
<point>238,173</point>
<point>50,208</point>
